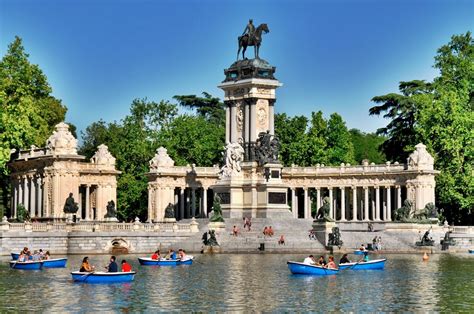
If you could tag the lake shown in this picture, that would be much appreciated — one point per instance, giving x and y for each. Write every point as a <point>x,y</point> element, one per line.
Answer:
<point>248,282</point>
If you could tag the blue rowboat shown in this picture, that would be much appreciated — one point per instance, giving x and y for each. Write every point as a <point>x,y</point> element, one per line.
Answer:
<point>102,277</point>
<point>30,265</point>
<point>471,251</point>
<point>359,252</point>
<point>147,261</point>
<point>54,262</point>
<point>374,264</point>
<point>15,256</point>
<point>305,269</point>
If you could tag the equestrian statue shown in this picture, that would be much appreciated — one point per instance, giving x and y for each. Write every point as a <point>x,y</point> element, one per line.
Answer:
<point>251,37</point>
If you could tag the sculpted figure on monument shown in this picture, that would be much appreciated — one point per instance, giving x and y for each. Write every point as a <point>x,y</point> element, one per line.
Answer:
<point>251,37</point>
<point>70,207</point>
<point>111,212</point>
<point>233,156</point>
<point>267,148</point>
<point>323,212</point>
<point>216,210</point>
<point>169,211</point>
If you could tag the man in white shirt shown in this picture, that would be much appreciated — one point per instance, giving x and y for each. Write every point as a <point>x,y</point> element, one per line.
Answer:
<point>309,260</point>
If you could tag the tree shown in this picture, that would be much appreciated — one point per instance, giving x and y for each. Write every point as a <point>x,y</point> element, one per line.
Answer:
<point>339,142</point>
<point>28,111</point>
<point>208,107</point>
<point>317,139</point>
<point>403,111</point>
<point>291,133</point>
<point>366,146</point>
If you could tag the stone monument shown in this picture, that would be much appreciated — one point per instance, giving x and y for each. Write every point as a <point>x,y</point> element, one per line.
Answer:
<point>111,215</point>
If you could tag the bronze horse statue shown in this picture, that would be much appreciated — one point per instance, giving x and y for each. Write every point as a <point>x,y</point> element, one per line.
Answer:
<point>255,41</point>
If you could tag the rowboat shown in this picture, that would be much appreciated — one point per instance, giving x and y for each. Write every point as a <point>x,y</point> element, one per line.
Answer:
<point>374,264</point>
<point>359,252</point>
<point>147,261</point>
<point>471,251</point>
<point>54,262</point>
<point>305,269</point>
<point>15,256</point>
<point>102,277</point>
<point>30,265</point>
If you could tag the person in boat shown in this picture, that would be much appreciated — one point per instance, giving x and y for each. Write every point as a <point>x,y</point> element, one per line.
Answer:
<point>182,255</point>
<point>41,253</point>
<point>47,255</point>
<point>365,258</point>
<point>22,257</point>
<point>36,256</point>
<point>362,248</point>
<point>86,266</point>
<point>321,261</point>
<point>171,254</point>
<point>112,268</point>
<point>344,259</point>
<point>156,255</point>
<point>331,264</point>
<point>309,260</point>
<point>126,267</point>
<point>25,250</point>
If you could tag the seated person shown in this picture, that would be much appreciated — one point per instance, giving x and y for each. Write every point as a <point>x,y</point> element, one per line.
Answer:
<point>41,253</point>
<point>36,256</point>
<point>362,248</point>
<point>47,255</point>
<point>126,267</point>
<point>344,259</point>
<point>25,250</point>
<point>321,261</point>
<point>270,231</point>
<point>86,266</point>
<point>156,255</point>
<point>235,231</point>
<point>22,257</point>
<point>309,260</point>
<point>183,256</point>
<point>331,264</point>
<point>281,241</point>
<point>112,268</point>
<point>365,258</point>
<point>265,231</point>
<point>171,254</point>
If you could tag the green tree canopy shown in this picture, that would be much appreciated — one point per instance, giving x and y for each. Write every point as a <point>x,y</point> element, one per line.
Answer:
<point>366,146</point>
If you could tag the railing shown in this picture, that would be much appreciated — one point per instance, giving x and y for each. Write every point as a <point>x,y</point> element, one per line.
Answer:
<point>191,227</point>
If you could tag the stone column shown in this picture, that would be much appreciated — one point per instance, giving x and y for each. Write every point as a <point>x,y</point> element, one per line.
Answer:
<point>181,202</point>
<point>157,204</point>
<point>271,118</point>
<point>310,202</point>
<point>354,203</point>
<point>318,198</point>
<point>293,203</point>
<point>366,203</point>
<point>227,123</point>
<point>26,194</point>
<point>247,122</point>
<point>377,203</point>
<point>39,184</point>
<point>193,200</point>
<point>253,121</point>
<point>33,197</point>
<point>204,202</point>
<point>388,217</point>
<point>305,203</point>
<point>331,205</point>
<point>343,203</point>
<point>88,203</point>
<point>188,204</point>
<point>150,204</point>
<point>233,124</point>
<point>21,192</point>
<point>15,199</point>
<point>399,196</point>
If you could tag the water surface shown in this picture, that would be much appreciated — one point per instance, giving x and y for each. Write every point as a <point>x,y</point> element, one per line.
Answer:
<point>258,282</point>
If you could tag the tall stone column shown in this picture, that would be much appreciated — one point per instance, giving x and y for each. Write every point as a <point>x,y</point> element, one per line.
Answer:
<point>318,198</point>
<point>388,216</point>
<point>233,124</point>
<point>310,202</point>
<point>377,203</point>
<point>247,123</point>
<point>366,203</point>
<point>354,203</point>
<point>39,184</point>
<point>343,203</point>
<point>33,197</point>
<point>88,203</point>
<point>227,123</point>
<point>294,208</point>
<point>26,194</point>
<point>188,204</point>
<point>181,202</point>
<point>398,190</point>
<point>305,203</point>
<point>271,117</point>
<point>204,202</point>
<point>193,201</point>
<point>157,205</point>
<point>253,122</point>
<point>331,205</point>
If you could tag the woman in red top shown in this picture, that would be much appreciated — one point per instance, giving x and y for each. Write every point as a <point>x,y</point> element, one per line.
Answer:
<point>156,255</point>
<point>126,267</point>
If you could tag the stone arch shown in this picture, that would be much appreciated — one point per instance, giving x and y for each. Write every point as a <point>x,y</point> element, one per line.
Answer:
<point>119,246</point>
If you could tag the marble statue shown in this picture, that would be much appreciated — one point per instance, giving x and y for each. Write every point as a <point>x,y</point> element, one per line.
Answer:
<point>233,156</point>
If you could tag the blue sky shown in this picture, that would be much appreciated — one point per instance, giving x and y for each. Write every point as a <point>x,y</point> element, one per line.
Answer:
<point>332,56</point>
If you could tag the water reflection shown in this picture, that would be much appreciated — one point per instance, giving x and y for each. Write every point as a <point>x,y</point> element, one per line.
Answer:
<point>248,282</point>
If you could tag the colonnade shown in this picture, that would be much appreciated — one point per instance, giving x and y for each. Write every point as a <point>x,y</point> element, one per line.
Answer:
<point>355,203</point>
<point>28,190</point>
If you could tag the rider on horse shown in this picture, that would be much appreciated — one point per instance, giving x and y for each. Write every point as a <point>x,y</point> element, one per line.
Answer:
<point>250,30</point>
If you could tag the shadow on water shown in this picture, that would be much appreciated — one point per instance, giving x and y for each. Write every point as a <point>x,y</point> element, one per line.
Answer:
<point>260,282</point>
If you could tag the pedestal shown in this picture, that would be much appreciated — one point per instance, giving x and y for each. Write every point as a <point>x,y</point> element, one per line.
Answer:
<point>169,220</point>
<point>322,231</point>
<point>111,219</point>
<point>216,226</point>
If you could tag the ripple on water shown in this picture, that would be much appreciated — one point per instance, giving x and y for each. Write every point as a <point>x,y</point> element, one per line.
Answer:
<point>259,282</point>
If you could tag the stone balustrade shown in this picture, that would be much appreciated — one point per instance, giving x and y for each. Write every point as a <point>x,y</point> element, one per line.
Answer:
<point>191,227</point>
